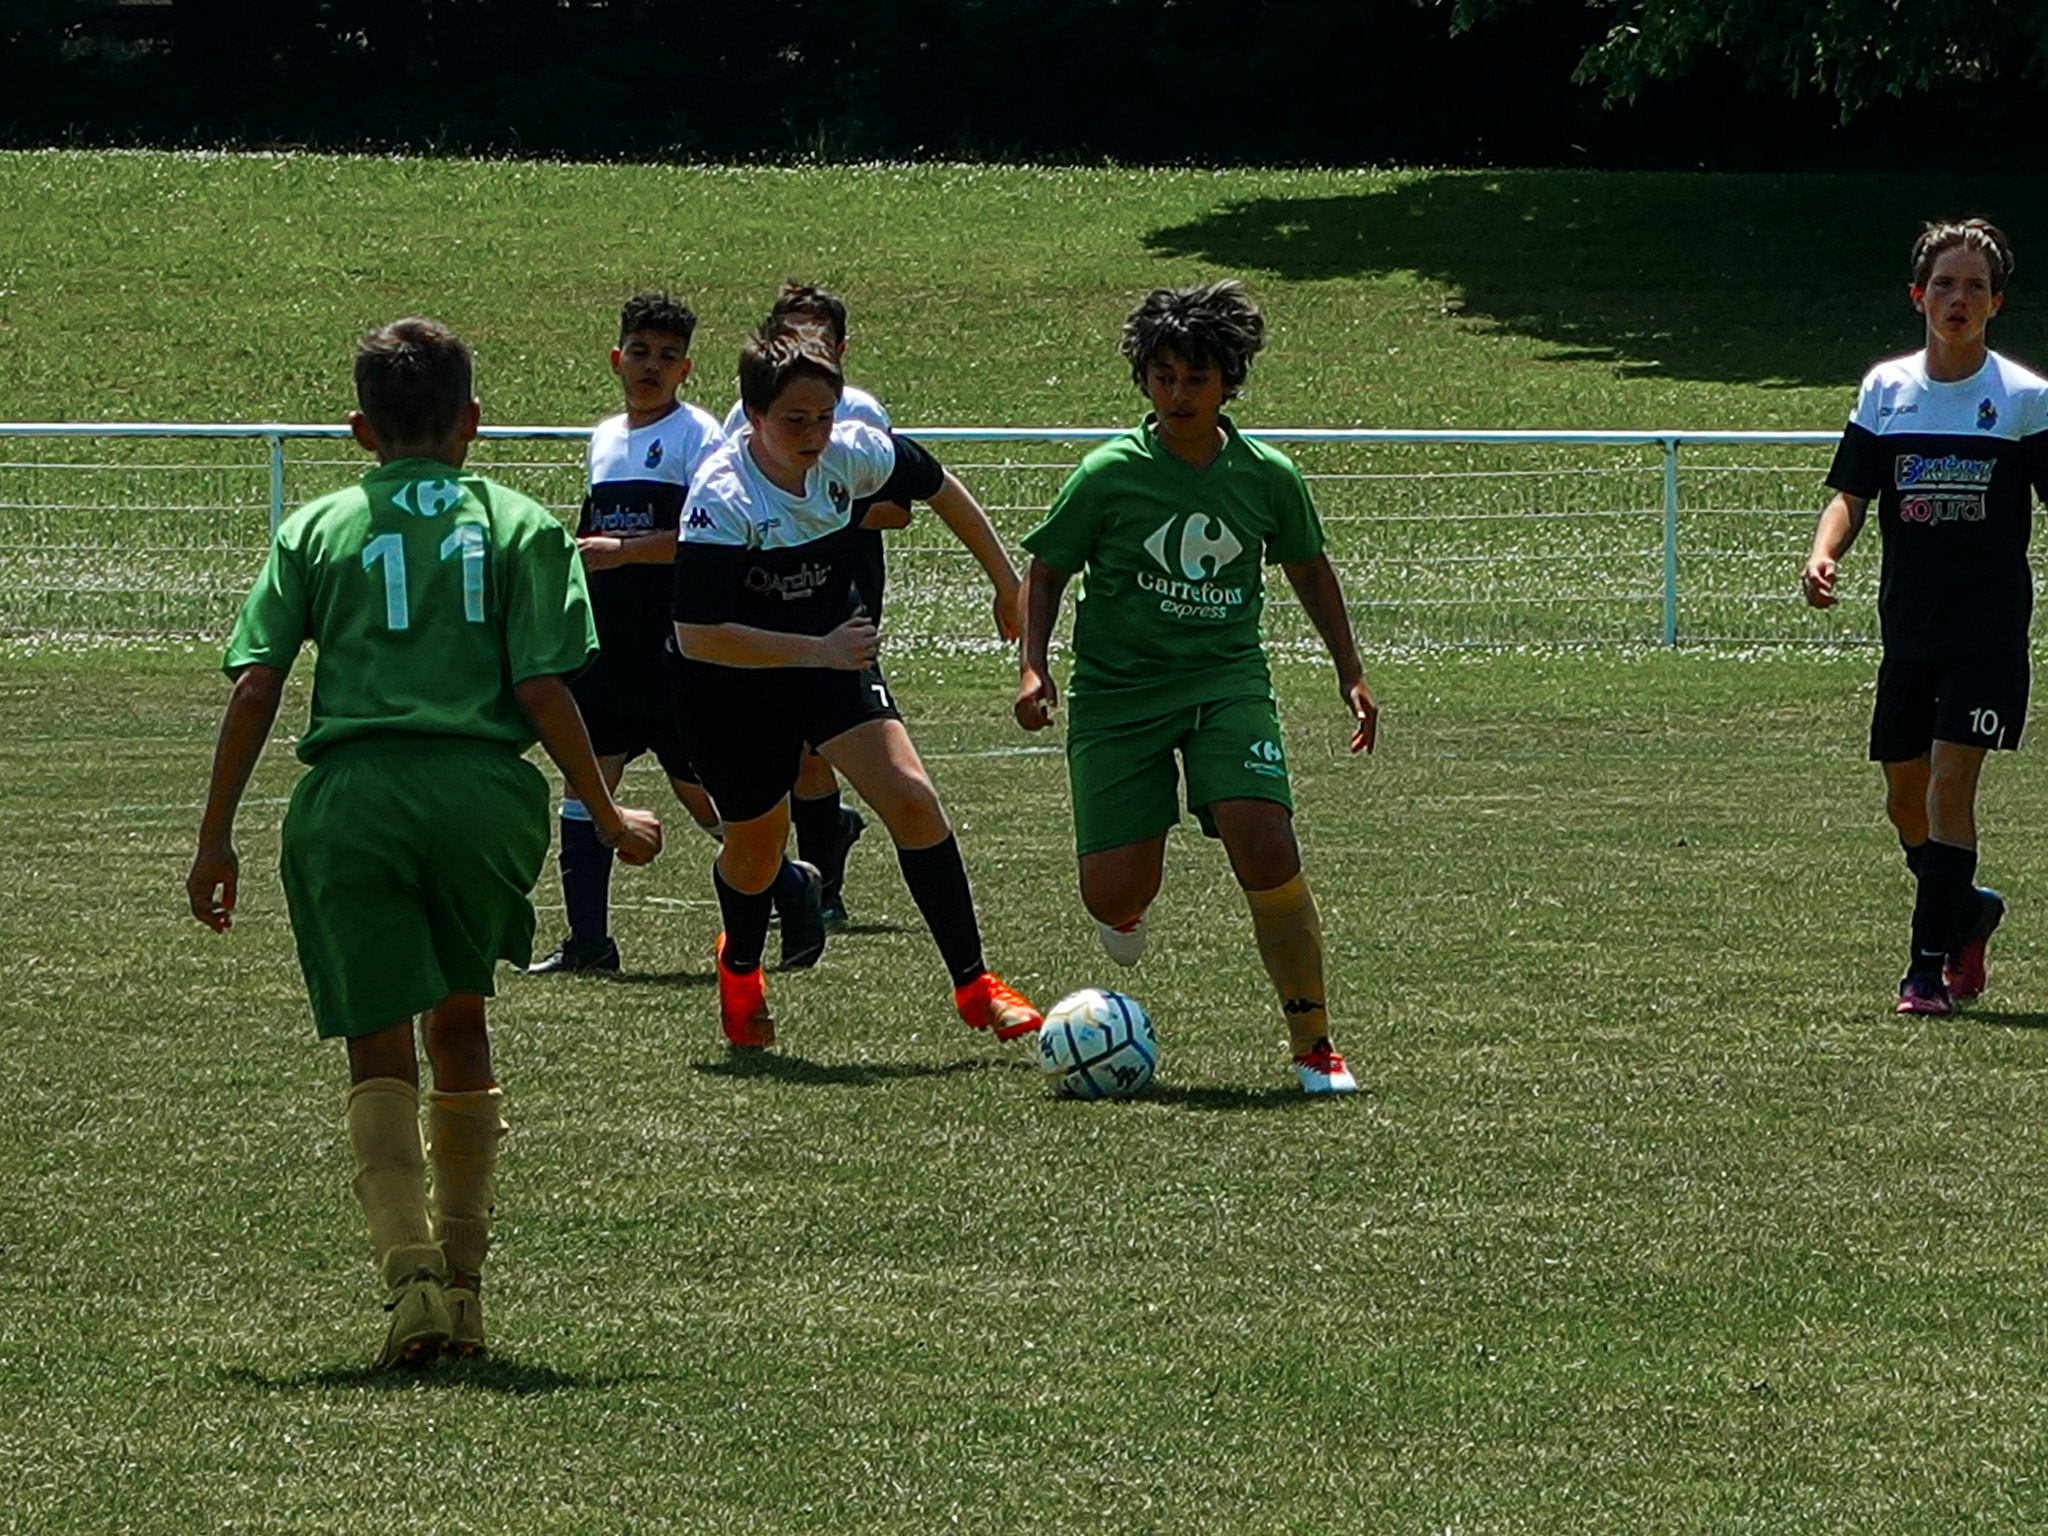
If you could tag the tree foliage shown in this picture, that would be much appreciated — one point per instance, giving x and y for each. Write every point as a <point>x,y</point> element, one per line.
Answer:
<point>1852,51</point>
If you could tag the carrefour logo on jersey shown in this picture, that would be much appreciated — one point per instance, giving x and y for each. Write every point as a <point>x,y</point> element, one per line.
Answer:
<point>426,498</point>
<point>1201,552</point>
<point>1951,469</point>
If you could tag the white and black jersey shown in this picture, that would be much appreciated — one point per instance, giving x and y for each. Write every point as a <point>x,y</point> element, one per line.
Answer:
<point>754,554</point>
<point>639,478</point>
<point>1951,471</point>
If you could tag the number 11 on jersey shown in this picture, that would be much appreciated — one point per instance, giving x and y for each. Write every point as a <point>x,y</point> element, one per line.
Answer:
<point>388,549</point>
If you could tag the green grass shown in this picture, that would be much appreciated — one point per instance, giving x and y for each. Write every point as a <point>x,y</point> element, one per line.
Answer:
<point>1652,1217</point>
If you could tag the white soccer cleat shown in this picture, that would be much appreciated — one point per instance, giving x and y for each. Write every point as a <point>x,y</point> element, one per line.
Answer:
<point>1123,945</point>
<point>1322,1070</point>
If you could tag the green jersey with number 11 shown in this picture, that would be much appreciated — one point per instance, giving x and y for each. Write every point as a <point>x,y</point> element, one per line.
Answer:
<point>1170,563</point>
<point>429,594</point>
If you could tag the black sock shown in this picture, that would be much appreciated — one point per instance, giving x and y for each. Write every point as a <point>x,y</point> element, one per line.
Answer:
<point>1945,901</point>
<point>938,884</point>
<point>586,881</point>
<point>817,827</point>
<point>1912,853</point>
<point>746,924</point>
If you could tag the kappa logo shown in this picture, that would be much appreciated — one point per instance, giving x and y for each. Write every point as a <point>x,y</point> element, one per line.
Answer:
<point>1987,415</point>
<point>1201,553</point>
<point>427,498</point>
<point>654,454</point>
<point>699,518</point>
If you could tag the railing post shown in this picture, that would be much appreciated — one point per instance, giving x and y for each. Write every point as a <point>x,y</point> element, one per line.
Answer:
<point>1670,543</point>
<point>276,441</point>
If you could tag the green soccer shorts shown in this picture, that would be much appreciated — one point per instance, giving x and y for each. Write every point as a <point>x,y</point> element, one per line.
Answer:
<point>408,865</point>
<point>1125,775</point>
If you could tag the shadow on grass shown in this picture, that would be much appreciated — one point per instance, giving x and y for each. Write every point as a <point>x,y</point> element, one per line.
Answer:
<point>1999,1018</point>
<point>786,1068</point>
<point>693,980</point>
<point>1708,277</point>
<point>502,1375</point>
<point>1227,1099</point>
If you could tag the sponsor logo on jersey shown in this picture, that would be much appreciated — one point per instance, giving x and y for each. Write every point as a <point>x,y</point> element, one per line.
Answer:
<point>791,586</point>
<point>1898,410</point>
<point>1987,415</point>
<point>1942,507</point>
<point>699,518</point>
<point>1206,546</point>
<point>427,498</point>
<point>1266,759</point>
<point>623,520</point>
<point>1913,469</point>
<point>654,454</point>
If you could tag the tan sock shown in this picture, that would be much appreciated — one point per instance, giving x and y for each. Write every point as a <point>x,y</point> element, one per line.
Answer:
<point>1290,935</point>
<point>464,1129</point>
<point>383,1117</point>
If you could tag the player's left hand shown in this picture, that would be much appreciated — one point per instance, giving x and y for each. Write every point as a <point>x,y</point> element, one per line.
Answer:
<point>210,887</point>
<point>1367,715</point>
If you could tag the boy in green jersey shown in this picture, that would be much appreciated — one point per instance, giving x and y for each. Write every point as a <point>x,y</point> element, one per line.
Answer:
<point>448,613</point>
<point>1171,524</point>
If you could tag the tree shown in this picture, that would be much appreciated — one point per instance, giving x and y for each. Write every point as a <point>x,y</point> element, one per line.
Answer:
<point>1854,51</point>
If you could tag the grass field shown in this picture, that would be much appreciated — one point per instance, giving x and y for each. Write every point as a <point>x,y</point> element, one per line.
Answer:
<point>1653,1217</point>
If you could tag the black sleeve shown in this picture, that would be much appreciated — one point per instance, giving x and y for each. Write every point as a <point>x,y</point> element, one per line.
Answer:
<point>917,476</point>
<point>707,582</point>
<point>2035,450</point>
<point>1859,463</point>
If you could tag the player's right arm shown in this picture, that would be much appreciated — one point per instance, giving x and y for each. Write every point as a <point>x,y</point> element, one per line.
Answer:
<point>550,709</point>
<point>1840,521</point>
<point>1037,606</point>
<point>244,728</point>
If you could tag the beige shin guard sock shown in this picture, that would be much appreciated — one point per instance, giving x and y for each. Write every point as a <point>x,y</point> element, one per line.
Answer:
<point>1290,935</point>
<point>391,1177</point>
<point>464,1129</point>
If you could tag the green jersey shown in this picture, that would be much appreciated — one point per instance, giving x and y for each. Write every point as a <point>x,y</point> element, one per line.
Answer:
<point>1169,557</point>
<point>429,594</point>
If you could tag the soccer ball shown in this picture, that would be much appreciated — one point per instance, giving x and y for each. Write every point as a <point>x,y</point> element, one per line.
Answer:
<point>1097,1045</point>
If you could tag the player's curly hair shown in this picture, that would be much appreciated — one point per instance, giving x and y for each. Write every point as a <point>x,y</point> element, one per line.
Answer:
<point>780,353</point>
<point>1942,235</point>
<point>1216,324</point>
<point>656,311</point>
<point>807,301</point>
<point>413,378</point>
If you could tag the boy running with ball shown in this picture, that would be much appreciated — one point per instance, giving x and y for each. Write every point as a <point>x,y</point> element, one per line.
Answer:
<point>447,612</point>
<point>1170,525</point>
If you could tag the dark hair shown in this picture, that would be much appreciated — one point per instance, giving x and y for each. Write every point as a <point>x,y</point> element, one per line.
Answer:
<point>656,311</point>
<point>413,378</point>
<point>1215,325</point>
<point>777,355</point>
<point>812,303</point>
<point>1944,235</point>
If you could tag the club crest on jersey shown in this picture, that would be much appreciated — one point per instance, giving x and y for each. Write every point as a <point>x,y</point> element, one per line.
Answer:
<point>427,498</point>
<point>1202,553</point>
<point>654,454</point>
<point>841,497</point>
<point>1987,415</point>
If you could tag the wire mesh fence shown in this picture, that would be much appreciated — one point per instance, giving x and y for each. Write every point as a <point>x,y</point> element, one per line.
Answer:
<point>1440,539</point>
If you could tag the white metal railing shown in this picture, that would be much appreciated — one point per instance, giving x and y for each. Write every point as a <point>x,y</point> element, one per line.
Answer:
<point>1433,532</point>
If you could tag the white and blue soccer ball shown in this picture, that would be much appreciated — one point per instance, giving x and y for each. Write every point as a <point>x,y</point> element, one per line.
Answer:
<point>1097,1045</point>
